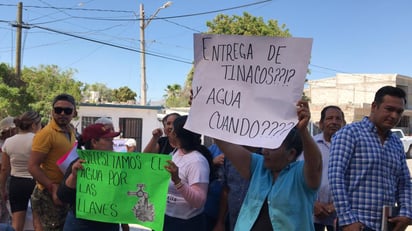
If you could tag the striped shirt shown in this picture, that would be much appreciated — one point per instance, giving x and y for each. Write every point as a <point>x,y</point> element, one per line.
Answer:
<point>365,175</point>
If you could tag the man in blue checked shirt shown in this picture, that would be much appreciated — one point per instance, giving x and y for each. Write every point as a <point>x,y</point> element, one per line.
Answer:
<point>367,167</point>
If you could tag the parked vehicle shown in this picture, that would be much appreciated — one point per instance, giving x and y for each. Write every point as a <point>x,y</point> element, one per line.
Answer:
<point>406,141</point>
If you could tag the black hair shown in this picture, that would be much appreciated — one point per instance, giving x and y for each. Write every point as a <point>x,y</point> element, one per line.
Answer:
<point>26,120</point>
<point>64,97</point>
<point>192,141</point>
<point>323,112</point>
<point>389,90</point>
<point>294,140</point>
<point>167,116</point>
<point>84,144</point>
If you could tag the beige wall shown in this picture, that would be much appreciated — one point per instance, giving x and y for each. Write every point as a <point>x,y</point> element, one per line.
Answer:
<point>352,92</point>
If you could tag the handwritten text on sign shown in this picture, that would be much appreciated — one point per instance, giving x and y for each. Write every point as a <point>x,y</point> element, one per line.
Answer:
<point>128,188</point>
<point>245,87</point>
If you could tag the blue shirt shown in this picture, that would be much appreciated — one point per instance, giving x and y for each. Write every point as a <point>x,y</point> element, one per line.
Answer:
<point>215,187</point>
<point>238,187</point>
<point>365,175</point>
<point>290,201</point>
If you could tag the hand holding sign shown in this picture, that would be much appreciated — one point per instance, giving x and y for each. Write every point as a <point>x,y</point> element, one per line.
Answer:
<point>71,180</point>
<point>128,188</point>
<point>245,88</point>
<point>303,114</point>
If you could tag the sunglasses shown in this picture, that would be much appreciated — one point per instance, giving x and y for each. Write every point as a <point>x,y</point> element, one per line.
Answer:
<point>59,110</point>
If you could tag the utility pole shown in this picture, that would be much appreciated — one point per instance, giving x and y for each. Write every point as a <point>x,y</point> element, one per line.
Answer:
<point>143,88</point>
<point>18,39</point>
<point>143,25</point>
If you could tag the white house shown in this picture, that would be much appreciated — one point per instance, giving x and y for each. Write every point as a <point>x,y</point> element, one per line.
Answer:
<point>133,121</point>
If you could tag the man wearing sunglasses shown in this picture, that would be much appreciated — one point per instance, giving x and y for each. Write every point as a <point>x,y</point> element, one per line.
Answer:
<point>49,144</point>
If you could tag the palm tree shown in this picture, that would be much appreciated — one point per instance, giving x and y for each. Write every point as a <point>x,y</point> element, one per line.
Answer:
<point>173,90</point>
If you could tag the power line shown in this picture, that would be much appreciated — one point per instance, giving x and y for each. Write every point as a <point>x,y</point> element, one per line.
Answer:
<point>159,55</point>
<point>165,57</point>
<point>137,19</point>
<point>102,42</point>
<point>181,16</point>
<point>70,8</point>
<point>214,11</point>
<point>60,9</point>
<point>157,18</point>
<point>110,44</point>
<point>186,27</point>
<point>327,68</point>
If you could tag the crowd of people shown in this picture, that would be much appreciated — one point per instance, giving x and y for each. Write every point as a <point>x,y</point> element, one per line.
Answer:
<point>340,179</point>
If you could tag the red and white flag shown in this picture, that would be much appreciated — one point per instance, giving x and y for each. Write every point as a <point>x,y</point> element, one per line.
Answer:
<point>65,161</point>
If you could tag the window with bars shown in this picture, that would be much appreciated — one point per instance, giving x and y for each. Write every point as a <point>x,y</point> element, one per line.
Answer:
<point>87,120</point>
<point>128,127</point>
<point>132,128</point>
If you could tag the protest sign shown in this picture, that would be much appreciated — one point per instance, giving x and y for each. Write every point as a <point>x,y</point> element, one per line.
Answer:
<point>245,88</point>
<point>127,188</point>
<point>119,145</point>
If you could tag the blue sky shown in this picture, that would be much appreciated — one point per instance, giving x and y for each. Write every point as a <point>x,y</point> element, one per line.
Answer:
<point>352,36</point>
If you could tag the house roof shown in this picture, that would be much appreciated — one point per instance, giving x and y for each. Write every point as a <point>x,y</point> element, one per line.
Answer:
<point>135,106</point>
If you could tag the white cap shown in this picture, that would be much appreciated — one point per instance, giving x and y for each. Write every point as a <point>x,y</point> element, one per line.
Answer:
<point>131,143</point>
<point>103,120</point>
<point>7,123</point>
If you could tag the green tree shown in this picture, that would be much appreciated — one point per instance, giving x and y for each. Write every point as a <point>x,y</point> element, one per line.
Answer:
<point>105,94</point>
<point>13,99</point>
<point>47,81</point>
<point>123,94</point>
<point>246,25</point>
<point>35,90</point>
<point>174,97</point>
<point>7,94</point>
<point>232,25</point>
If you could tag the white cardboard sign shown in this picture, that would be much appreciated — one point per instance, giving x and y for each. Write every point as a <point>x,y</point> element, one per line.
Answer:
<point>245,88</point>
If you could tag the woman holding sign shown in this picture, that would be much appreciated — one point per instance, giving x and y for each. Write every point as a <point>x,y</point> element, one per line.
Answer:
<point>282,189</point>
<point>190,170</point>
<point>94,137</point>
